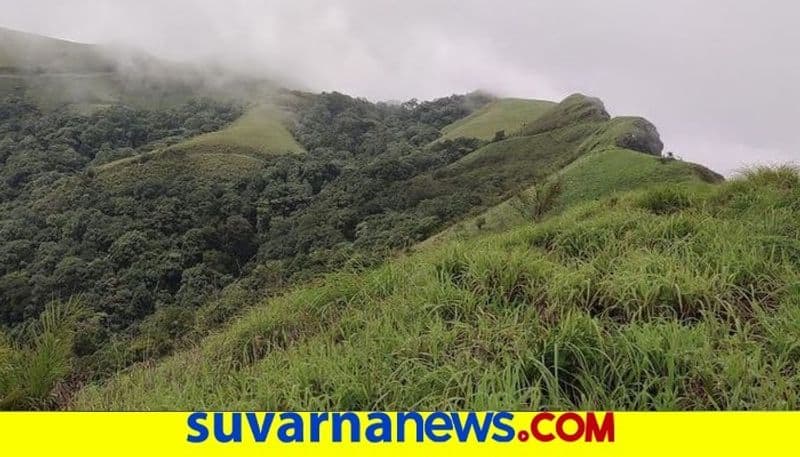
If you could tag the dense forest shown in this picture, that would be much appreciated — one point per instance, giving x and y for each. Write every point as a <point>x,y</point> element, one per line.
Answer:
<point>148,260</point>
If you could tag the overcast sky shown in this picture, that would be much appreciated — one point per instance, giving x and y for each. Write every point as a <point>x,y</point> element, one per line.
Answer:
<point>720,79</point>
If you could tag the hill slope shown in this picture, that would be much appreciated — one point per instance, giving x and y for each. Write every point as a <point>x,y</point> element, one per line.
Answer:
<point>26,52</point>
<point>617,170</point>
<point>613,155</point>
<point>591,177</point>
<point>507,114</point>
<point>665,298</point>
<point>261,131</point>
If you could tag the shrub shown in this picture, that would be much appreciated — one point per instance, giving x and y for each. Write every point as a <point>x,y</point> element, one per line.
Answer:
<point>665,200</point>
<point>40,359</point>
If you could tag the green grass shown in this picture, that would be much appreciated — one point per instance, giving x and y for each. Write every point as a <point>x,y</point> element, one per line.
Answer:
<point>591,177</point>
<point>508,114</point>
<point>608,171</point>
<point>669,297</point>
<point>260,132</point>
<point>226,154</point>
<point>523,158</point>
<point>170,164</point>
<point>32,368</point>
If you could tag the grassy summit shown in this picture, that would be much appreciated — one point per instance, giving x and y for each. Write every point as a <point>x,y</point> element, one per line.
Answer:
<point>508,114</point>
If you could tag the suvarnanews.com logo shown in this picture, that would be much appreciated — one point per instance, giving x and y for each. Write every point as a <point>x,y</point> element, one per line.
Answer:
<point>398,427</point>
<point>378,434</point>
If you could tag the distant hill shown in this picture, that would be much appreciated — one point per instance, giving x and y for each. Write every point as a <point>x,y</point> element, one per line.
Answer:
<point>86,77</point>
<point>22,52</point>
<point>506,114</point>
<point>260,133</point>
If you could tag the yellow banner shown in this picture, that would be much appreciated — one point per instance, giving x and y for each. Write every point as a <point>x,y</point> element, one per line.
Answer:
<point>392,433</point>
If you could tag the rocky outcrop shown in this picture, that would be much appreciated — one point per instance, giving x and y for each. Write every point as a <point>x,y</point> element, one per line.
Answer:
<point>637,134</point>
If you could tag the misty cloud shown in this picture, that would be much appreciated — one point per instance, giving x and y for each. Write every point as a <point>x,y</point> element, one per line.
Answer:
<point>719,78</point>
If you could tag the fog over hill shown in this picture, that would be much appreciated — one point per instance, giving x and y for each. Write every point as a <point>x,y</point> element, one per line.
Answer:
<point>716,77</point>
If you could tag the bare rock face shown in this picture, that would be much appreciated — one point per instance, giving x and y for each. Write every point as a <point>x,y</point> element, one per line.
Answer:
<point>634,133</point>
<point>588,114</point>
<point>639,134</point>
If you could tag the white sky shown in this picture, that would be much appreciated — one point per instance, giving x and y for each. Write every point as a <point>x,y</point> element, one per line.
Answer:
<point>720,79</point>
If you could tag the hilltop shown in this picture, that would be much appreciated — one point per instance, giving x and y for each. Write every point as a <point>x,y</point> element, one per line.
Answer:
<point>508,115</point>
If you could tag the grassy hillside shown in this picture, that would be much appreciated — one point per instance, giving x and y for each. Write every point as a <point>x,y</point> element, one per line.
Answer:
<point>616,170</point>
<point>678,297</point>
<point>591,177</point>
<point>211,166</point>
<point>613,155</point>
<point>508,114</point>
<point>522,159</point>
<point>261,131</point>
<point>551,138</point>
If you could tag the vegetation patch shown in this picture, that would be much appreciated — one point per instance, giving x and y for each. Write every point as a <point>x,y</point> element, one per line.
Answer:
<point>507,115</point>
<point>260,132</point>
